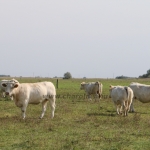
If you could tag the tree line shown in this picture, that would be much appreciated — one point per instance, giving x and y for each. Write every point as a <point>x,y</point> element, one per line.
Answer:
<point>4,75</point>
<point>147,75</point>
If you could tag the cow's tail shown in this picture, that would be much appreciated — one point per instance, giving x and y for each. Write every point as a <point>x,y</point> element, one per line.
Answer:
<point>99,92</point>
<point>129,94</point>
<point>127,91</point>
<point>130,98</point>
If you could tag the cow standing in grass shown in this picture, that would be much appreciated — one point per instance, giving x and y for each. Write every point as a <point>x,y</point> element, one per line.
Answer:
<point>92,88</point>
<point>31,93</point>
<point>122,97</point>
<point>141,92</point>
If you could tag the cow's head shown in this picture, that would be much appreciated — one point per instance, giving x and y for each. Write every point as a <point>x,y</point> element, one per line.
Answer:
<point>9,86</point>
<point>82,85</point>
<point>97,83</point>
<point>110,90</point>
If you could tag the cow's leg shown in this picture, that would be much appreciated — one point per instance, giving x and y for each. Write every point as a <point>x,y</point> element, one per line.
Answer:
<point>118,109</point>
<point>124,104</point>
<point>128,104</point>
<point>126,107</point>
<point>94,96</point>
<point>11,97</point>
<point>3,94</point>
<point>131,109</point>
<point>97,97</point>
<point>123,108</point>
<point>89,97</point>
<point>52,104</point>
<point>23,109</point>
<point>44,105</point>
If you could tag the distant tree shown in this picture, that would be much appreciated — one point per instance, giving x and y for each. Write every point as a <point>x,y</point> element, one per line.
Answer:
<point>148,71</point>
<point>67,75</point>
<point>4,75</point>
<point>122,77</point>
<point>147,75</point>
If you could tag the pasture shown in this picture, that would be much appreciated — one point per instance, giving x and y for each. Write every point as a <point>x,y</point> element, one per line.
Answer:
<point>78,124</point>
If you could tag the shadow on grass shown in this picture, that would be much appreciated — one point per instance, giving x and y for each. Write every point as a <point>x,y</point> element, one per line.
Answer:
<point>139,112</point>
<point>9,118</point>
<point>13,119</point>
<point>101,114</point>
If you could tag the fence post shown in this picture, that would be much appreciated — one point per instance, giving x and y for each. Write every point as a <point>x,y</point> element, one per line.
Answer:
<point>57,84</point>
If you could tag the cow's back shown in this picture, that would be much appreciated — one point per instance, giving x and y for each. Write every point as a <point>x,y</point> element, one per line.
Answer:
<point>35,92</point>
<point>141,92</point>
<point>90,88</point>
<point>49,87</point>
<point>119,93</point>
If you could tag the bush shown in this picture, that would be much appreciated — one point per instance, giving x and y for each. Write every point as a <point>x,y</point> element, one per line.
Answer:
<point>147,75</point>
<point>67,75</point>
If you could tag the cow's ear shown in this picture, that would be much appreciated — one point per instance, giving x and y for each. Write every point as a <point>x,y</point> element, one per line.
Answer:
<point>16,85</point>
<point>4,84</point>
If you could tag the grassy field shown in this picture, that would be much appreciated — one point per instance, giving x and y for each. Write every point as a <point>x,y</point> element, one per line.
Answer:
<point>78,124</point>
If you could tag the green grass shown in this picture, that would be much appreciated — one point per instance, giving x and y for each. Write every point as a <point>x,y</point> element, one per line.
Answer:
<point>78,123</point>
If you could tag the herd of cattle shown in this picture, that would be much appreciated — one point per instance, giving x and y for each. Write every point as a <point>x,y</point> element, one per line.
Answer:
<point>35,93</point>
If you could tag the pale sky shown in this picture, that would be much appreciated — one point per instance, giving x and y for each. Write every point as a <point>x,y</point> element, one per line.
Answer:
<point>91,38</point>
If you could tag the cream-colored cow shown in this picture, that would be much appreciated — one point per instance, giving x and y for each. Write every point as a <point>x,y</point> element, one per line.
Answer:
<point>31,93</point>
<point>92,88</point>
<point>122,97</point>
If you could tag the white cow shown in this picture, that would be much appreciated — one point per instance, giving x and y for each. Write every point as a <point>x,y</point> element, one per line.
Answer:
<point>122,97</point>
<point>141,91</point>
<point>92,88</point>
<point>31,93</point>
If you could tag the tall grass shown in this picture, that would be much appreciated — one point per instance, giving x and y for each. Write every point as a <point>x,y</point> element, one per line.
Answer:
<point>78,123</point>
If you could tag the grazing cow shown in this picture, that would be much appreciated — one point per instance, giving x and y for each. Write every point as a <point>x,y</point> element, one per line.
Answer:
<point>122,97</point>
<point>141,92</point>
<point>31,93</point>
<point>94,88</point>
